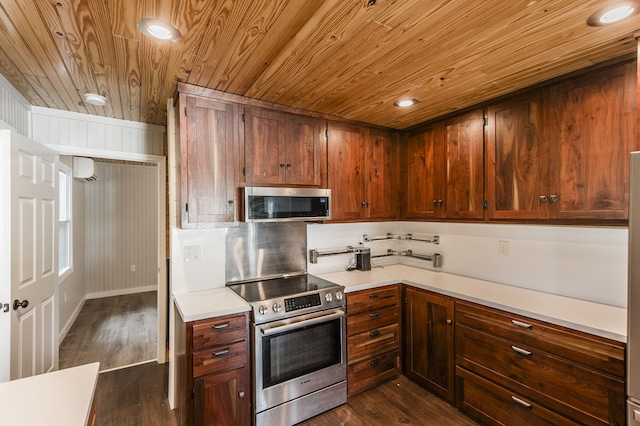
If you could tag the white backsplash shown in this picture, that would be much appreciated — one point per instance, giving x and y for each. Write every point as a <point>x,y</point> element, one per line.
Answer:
<point>588,263</point>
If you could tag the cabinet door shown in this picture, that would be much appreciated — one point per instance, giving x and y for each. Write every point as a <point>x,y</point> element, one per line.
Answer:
<point>592,122</point>
<point>223,399</point>
<point>345,171</point>
<point>517,159</point>
<point>264,147</point>
<point>208,169</point>
<point>382,174</point>
<point>464,142</point>
<point>428,341</point>
<point>302,150</point>
<point>423,169</point>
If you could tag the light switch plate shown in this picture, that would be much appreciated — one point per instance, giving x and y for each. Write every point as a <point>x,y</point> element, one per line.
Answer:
<point>503,248</point>
<point>192,253</point>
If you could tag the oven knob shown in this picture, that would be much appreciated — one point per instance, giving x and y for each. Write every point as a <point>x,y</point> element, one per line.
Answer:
<point>328,297</point>
<point>276,307</point>
<point>262,309</point>
<point>339,295</point>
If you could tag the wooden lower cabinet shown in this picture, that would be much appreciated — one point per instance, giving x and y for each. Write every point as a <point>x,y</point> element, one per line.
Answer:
<point>214,382</point>
<point>373,337</point>
<point>515,370</point>
<point>428,341</point>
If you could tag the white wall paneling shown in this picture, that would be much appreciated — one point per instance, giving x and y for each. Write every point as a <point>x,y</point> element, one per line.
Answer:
<point>121,221</point>
<point>14,108</point>
<point>87,132</point>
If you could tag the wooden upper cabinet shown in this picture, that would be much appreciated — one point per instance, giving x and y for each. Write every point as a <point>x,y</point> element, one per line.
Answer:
<point>208,166</point>
<point>281,148</point>
<point>464,145</point>
<point>423,169</point>
<point>345,155</point>
<point>362,172</point>
<point>517,159</point>
<point>592,122</point>
<point>382,154</point>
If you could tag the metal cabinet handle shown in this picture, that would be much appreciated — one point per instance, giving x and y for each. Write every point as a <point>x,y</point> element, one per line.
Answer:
<point>374,333</point>
<point>449,322</point>
<point>544,199</point>
<point>521,324</point>
<point>435,203</point>
<point>521,402</point>
<point>362,204</point>
<point>221,352</point>
<point>241,394</point>
<point>374,362</point>
<point>374,314</point>
<point>219,326</point>
<point>440,203</point>
<point>374,296</point>
<point>520,351</point>
<point>554,198</point>
<point>288,166</point>
<point>282,165</point>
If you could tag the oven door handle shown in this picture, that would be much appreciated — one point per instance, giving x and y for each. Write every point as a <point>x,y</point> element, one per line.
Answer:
<point>303,323</point>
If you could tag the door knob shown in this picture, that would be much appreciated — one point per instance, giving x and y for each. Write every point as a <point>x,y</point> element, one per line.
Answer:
<point>18,304</point>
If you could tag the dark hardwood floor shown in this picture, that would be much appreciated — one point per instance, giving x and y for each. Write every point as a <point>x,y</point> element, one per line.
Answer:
<point>134,396</point>
<point>115,331</point>
<point>398,402</point>
<point>137,396</point>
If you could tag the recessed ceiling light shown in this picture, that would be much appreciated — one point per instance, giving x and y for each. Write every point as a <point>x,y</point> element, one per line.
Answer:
<point>95,99</point>
<point>612,14</point>
<point>159,29</point>
<point>403,103</point>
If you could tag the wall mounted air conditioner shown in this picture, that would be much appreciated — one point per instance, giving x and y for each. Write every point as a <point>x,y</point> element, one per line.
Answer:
<point>84,168</point>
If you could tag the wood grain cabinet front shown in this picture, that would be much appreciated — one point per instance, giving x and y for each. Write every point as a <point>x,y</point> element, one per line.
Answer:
<point>282,148</point>
<point>373,337</point>
<point>543,368</point>
<point>214,372</point>
<point>363,172</point>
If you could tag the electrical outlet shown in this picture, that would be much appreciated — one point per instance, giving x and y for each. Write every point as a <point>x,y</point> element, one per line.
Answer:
<point>132,268</point>
<point>503,248</point>
<point>192,253</point>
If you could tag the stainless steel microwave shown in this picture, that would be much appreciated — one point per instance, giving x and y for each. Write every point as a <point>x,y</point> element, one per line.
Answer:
<point>267,204</point>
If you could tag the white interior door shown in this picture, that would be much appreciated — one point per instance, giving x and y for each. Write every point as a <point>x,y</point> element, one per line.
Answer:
<point>33,254</point>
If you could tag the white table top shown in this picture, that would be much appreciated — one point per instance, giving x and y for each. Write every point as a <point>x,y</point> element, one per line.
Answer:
<point>594,318</point>
<point>59,398</point>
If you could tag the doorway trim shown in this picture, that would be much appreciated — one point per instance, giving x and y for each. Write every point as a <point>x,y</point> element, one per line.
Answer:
<point>161,256</point>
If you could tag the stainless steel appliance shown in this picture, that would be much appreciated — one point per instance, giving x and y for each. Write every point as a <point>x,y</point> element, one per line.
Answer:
<point>264,204</point>
<point>298,325</point>
<point>633,304</point>
<point>299,347</point>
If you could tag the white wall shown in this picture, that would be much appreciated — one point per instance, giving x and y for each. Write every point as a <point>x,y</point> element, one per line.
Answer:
<point>121,230</point>
<point>14,108</point>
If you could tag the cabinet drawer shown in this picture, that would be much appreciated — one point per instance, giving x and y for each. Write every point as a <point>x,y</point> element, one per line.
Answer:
<point>585,395</point>
<point>218,331</point>
<point>220,358</point>
<point>372,320</point>
<point>495,405</point>
<point>373,342</point>
<point>369,372</point>
<point>592,351</point>
<point>378,298</point>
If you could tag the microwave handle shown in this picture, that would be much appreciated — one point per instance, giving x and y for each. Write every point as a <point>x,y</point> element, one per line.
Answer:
<point>303,323</point>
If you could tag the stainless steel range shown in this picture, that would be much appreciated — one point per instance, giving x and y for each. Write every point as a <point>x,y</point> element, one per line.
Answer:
<point>298,331</point>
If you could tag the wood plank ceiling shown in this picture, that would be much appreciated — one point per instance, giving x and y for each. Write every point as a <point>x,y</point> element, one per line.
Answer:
<point>349,58</point>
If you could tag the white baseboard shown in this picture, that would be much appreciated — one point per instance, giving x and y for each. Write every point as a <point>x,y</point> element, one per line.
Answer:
<point>120,292</point>
<point>72,319</point>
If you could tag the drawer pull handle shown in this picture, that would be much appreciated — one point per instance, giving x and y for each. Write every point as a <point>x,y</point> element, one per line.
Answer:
<point>522,324</point>
<point>241,394</point>
<point>220,353</point>
<point>374,296</point>
<point>219,326</point>
<point>520,351</point>
<point>374,333</point>
<point>521,402</point>
<point>374,314</point>
<point>374,363</point>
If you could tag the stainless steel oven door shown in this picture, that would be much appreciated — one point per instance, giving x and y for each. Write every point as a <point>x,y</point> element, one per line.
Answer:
<point>297,356</point>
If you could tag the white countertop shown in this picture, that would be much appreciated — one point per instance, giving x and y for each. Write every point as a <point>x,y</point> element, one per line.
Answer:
<point>595,318</point>
<point>197,305</point>
<point>59,398</point>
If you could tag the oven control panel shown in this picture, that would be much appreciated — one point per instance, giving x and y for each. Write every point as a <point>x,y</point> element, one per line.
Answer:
<point>302,302</point>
